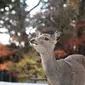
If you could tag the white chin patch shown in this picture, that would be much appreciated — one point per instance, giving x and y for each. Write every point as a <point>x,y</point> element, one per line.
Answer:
<point>34,44</point>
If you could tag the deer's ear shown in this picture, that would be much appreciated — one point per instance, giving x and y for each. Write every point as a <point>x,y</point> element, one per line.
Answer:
<point>57,35</point>
<point>38,33</point>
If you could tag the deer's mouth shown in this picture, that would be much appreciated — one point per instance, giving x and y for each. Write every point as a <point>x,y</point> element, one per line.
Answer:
<point>33,42</point>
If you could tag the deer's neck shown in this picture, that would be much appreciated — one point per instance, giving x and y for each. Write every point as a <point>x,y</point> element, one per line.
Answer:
<point>50,65</point>
<point>48,58</point>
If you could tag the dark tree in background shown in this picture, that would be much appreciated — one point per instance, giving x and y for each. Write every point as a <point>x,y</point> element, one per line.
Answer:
<point>82,9</point>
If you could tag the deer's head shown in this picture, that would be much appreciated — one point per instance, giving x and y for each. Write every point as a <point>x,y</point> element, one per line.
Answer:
<point>45,42</point>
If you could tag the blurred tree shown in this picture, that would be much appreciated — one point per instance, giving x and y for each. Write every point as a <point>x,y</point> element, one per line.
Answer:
<point>13,17</point>
<point>74,3</point>
<point>55,14</point>
<point>4,3</point>
<point>16,19</point>
<point>26,68</point>
<point>82,9</point>
<point>58,15</point>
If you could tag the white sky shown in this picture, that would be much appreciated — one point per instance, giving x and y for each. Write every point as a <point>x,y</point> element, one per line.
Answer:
<point>4,38</point>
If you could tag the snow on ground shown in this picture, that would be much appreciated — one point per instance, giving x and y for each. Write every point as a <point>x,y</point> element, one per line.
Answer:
<point>7,83</point>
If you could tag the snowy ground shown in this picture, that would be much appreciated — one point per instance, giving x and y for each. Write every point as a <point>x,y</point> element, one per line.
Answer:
<point>6,83</point>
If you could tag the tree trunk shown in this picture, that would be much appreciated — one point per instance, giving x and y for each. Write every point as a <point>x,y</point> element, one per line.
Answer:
<point>81,9</point>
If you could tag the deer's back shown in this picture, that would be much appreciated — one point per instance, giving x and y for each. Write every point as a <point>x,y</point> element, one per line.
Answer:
<point>76,59</point>
<point>77,64</point>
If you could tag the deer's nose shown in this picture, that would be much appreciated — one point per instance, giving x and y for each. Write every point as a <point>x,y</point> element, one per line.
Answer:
<point>32,41</point>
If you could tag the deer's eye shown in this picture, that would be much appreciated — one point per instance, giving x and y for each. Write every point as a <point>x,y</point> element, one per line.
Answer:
<point>46,38</point>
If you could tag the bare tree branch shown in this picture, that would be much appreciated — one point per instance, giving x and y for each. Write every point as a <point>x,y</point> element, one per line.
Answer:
<point>34,7</point>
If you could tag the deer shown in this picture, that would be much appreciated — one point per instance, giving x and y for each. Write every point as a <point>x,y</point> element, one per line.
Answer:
<point>67,71</point>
